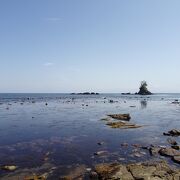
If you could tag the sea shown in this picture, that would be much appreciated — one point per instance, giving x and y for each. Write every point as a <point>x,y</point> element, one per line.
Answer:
<point>63,130</point>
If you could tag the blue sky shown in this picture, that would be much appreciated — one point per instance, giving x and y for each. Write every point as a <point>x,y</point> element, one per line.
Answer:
<point>89,45</point>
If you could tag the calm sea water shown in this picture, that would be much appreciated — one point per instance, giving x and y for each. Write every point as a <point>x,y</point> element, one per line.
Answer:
<point>68,128</point>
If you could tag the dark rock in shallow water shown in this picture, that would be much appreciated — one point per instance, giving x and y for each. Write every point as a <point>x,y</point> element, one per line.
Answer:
<point>173,132</point>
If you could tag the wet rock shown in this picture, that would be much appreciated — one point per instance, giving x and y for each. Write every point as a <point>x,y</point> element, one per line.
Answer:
<point>137,154</point>
<point>137,145</point>
<point>137,171</point>
<point>112,171</point>
<point>111,101</point>
<point>169,152</point>
<point>171,141</point>
<point>126,93</point>
<point>124,117</point>
<point>77,172</point>
<point>36,177</point>
<point>99,153</point>
<point>124,144</point>
<point>100,143</point>
<point>176,159</point>
<point>9,168</point>
<point>176,101</point>
<point>173,132</point>
<point>140,171</point>
<point>132,106</point>
<point>105,119</point>
<point>177,147</point>
<point>154,150</point>
<point>93,175</point>
<point>122,125</point>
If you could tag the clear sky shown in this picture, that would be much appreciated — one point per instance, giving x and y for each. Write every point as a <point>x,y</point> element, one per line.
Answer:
<point>89,45</point>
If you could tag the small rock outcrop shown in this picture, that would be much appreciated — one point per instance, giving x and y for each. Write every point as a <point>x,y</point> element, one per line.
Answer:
<point>143,89</point>
<point>124,117</point>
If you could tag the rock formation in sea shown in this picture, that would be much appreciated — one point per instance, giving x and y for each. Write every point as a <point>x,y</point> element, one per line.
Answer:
<point>143,89</point>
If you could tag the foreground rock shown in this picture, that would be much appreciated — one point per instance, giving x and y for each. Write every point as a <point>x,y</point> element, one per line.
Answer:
<point>124,117</point>
<point>113,171</point>
<point>122,125</point>
<point>143,171</point>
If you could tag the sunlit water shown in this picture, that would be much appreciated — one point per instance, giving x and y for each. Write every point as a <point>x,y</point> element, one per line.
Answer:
<point>69,127</point>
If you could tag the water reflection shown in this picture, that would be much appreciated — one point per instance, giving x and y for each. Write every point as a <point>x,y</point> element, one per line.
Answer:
<point>143,104</point>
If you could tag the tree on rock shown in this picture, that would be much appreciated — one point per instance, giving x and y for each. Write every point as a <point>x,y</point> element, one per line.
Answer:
<point>143,89</point>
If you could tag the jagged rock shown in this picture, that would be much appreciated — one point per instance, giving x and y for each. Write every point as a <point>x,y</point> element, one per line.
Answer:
<point>124,117</point>
<point>143,89</point>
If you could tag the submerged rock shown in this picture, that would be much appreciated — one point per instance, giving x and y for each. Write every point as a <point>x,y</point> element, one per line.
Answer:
<point>106,119</point>
<point>171,141</point>
<point>123,125</point>
<point>77,172</point>
<point>125,117</point>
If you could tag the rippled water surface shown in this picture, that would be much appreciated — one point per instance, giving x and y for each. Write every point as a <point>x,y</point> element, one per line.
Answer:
<point>66,130</point>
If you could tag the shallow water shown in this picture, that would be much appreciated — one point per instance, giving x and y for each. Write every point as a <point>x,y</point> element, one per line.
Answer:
<point>66,131</point>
